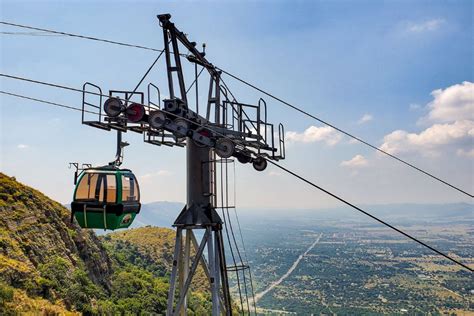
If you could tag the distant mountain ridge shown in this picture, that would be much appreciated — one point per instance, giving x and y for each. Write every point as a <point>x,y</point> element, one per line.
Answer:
<point>164,213</point>
<point>161,213</point>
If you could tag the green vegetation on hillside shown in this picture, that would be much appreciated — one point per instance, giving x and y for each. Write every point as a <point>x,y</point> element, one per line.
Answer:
<point>49,265</point>
<point>142,260</point>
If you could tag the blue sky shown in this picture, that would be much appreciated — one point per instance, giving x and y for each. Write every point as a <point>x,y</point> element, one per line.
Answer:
<point>369,67</point>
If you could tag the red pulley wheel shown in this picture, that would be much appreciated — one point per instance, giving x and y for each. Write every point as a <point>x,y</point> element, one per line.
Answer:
<point>135,112</point>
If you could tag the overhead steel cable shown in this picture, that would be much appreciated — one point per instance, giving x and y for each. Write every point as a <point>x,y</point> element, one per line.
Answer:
<point>294,107</point>
<point>80,36</point>
<point>30,33</point>
<point>277,165</point>
<point>46,83</point>
<point>44,101</point>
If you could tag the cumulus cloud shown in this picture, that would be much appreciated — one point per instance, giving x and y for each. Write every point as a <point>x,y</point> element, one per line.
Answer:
<point>365,118</point>
<point>356,162</point>
<point>430,139</point>
<point>425,26</point>
<point>315,134</point>
<point>451,115</point>
<point>22,146</point>
<point>451,104</point>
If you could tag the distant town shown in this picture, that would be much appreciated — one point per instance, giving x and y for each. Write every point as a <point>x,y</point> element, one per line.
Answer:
<point>362,270</point>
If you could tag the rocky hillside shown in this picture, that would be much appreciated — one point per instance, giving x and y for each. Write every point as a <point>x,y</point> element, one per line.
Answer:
<point>43,255</point>
<point>51,266</point>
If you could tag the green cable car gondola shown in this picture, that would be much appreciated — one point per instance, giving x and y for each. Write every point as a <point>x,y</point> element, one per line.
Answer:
<point>106,197</point>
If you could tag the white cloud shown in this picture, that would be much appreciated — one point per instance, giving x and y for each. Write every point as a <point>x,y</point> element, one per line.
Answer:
<point>22,146</point>
<point>465,152</point>
<point>425,26</point>
<point>355,162</point>
<point>414,106</point>
<point>365,118</point>
<point>164,173</point>
<point>274,174</point>
<point>159,173</point>
<point>315,134</point>
<point>451,104</point>
<point>429,140</point>
<point>451,115</point>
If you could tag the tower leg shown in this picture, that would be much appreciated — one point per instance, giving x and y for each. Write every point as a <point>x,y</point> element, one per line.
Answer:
<point>213,274</point>
<point>223,271</point>
<point>185,270</point>
<point>174,271</point>
<point>214,269</point>
<point>192,271</point>
<point>205,267</point>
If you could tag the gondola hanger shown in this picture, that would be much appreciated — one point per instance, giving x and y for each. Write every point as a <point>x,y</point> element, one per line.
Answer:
<point>119,154</point>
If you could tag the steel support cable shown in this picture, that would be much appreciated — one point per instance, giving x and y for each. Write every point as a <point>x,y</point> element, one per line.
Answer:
<point>227,233</point>
<point>48,84</point>
<point>346,133</point>
<point>44,101</point>
<point>279,166</point>
<point>197,77</point>
<point>146,74</point>
<point>267,94</point>
<point>368,214</point>
<point>80,36</point>
<point>232,232</point>
<point>30,33</point>
<point>243,243</point>
<point>229,221</point>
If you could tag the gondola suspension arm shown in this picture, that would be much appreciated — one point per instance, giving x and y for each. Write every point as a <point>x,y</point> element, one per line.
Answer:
<point>119,154</point>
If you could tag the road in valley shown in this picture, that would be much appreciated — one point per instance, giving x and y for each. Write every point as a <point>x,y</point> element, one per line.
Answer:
<point>272,285</point>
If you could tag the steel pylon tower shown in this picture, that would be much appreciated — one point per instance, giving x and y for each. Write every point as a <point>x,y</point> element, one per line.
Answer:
<point>199,212</point>
<point>226,128</point>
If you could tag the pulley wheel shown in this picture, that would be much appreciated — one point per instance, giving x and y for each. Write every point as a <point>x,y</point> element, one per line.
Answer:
<point>182,129</point>
<point>135,112</point>
<point>157,119</point>
<point>201,132</point>
<point>259,164</point>
<point>243,158</point>
<point>113,107</point>
<point>225,147</point>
